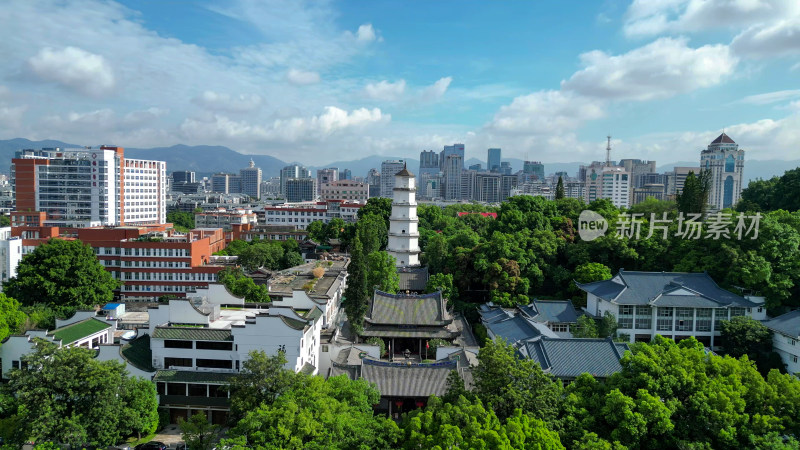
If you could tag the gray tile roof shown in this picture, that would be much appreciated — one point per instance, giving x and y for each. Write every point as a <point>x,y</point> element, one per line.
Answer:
<point>568,358</point>
<point>192,334</point>
<point>491,313</point>
<point>788,324</point>
<point>401,380</point>
<point>413,279</point>
<point>416,332</point>
<point>517,329</point>
<point>403,309</point>
<point>551,311</point>
<point>665,289</point>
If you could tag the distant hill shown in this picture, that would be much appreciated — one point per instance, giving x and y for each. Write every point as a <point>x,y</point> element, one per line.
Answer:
<point>206,159</point>
<point>10,146</point>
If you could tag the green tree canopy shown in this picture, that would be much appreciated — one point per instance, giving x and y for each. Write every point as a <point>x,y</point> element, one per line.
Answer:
<point>318,414</point>
<point>198,432</point>
<point>262,379</point>
<point>467,424</point>
<point>356,293</point>
<point>442,282</point>
<point>11,318</point>
<point>744,335</point>
<point>182,221</point>
<point>62,273</point>
<point>65,395</point>
<point>382,272</point>
<point>694,196</point>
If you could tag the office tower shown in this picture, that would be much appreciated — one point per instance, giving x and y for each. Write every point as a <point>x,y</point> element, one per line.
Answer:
<point>352,191</point>
<point>637,169</point>
<point>290,172</point>
<point>183,176</point>
<point>507,183</point>
<point>327,176</point>
<point>82,187</point>
<point>429,168</point>
<point>468,178</point>
<point>388,169</point>
<point>301,190</point>
<point>476,167</point>
<point>251,180</point>
<point>345,174</point>
<point>403,233</point>
<point>675,179</point>
<point>534,168</point>
<point>487,187</point>
<point>373,180</point>
<point>505,168</point>
<point>493,160</point>
<point>451,176</point>
<point>226,183</point>
<point>726,163</point>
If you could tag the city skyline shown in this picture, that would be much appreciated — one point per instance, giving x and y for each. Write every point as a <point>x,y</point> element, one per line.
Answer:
<point>331,80</point>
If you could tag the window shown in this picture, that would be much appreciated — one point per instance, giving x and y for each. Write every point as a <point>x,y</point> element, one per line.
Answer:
<point>177,362</point>
<point>664,319</point>
<point>792,341</point>
<point>207,345</point>
<point>794,358</point>
<point>737,312</point>
<point>177,344</point>
<point>644,319</point>
<point>719,314</point>
<point>214,363</point>
<point>703,319</point>
<point>559,327</point>
<point>684,319</point>
<point>198,390</point>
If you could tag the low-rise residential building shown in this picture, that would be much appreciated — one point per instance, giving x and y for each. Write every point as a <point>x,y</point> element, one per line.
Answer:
<point>300,215</point>
<point>84,329</point>
<point>786,339</point>
<point>566,358</point>
<point>671,304</point>
<point>225,218</point>
<point>347,190</point>
<point>249,232</point>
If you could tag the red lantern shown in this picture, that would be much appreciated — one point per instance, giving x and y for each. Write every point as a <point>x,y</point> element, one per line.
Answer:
<point>398,403</point>
<point>420,403</point>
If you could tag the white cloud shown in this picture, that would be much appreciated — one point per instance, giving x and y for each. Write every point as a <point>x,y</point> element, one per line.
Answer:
<point>770,97</point>
<point>437,89</point>
<point>653,17</point>
<point>291,130</point>
<point>385,90</point>
<point>216,101</point>
<point>546,113</point>
<point>780,38</point>
<point>75,68</point>
<point>302,78</point>
<point>366,33</point>
<point>660,69</point>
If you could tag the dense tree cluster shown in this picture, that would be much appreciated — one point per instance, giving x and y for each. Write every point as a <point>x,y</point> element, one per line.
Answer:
<point>64,395</point>
<point>769,195</point>
<point>271,255</point>
<point>182,221</point>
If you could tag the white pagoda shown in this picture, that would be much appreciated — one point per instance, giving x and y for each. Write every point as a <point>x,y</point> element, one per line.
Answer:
<point>403,232</point>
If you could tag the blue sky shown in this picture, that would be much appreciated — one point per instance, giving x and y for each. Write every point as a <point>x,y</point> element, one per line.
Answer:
<point>323,81</point>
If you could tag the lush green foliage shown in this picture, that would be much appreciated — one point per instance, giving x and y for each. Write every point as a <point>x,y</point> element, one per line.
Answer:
<point>382,272</point>
<point>356,294</point>
<point>67,396</point>
<point>377,342</point>
<point>507,383</point>
<point>322,232</point>
<point>776,193</point>
<point>182,221</point>
<point>467,424</point>
<point>262,379</point>
<point>745,336</point>
<point>61,273</point>
<point>442,282</point>
<point>198,432</point>
<point>241,285</point>
<point>694,197</point>
<point>317,414</point>
<point>672,395</point>
<point>272,255</point>
<point>12,319</point>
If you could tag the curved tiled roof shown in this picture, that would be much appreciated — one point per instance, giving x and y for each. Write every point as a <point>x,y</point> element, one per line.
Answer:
<point>401,380</point>
<point>568,358</point>
<point>403,309</point>
<point>192,334</point>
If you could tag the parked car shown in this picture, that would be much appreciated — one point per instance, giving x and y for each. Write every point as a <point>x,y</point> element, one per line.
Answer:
<point>152,445</point>
<point>119,447</point>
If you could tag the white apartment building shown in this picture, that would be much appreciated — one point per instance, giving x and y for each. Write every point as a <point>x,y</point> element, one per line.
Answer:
<point>82,187</point>
<point>344,190</point>
<point>300,215</point>
<point>224,218</point>
<point>10,255</point>
<point>388,169</point>
<point>672,304</point>
<point>786,339</point>
<point>609,182</point>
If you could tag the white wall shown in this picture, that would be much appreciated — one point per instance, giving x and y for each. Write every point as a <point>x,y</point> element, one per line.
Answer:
<point>218,294</point>
<point>111,352</point>
<point>783,345</point>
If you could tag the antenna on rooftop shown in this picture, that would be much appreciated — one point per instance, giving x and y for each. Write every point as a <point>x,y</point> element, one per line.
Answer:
<point>608,151</point>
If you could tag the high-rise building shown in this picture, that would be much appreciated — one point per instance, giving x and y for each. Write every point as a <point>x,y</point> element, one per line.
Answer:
<point>226,183</point>
<point>476,167</point>
<point>82,187</point>
<point>292,172</point>
<point>638,169</point>
<point>534,168</point>
<point>327,176</point>
<point>609,182</point>
<point>487,187</point>
<point>352,191</point>
<point>301,189</point>
<point>345,174</point>
<point>10,255</point>
<point>183,176</point>
<point>429,168</point>
<point>251,180</point>
<point>373,180</point>
<point>493,160</point>
<point>675,179</point>
<point>452,167</point>
<point>505,168</point>
<point>388,169</point>
<point>403,233</point>
<point>726,163</point>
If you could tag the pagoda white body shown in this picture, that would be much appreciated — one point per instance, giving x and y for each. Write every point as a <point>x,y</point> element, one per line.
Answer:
<point>403,232</point>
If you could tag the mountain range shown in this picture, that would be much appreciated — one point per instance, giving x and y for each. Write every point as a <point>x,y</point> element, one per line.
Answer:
<point>206,160</point>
